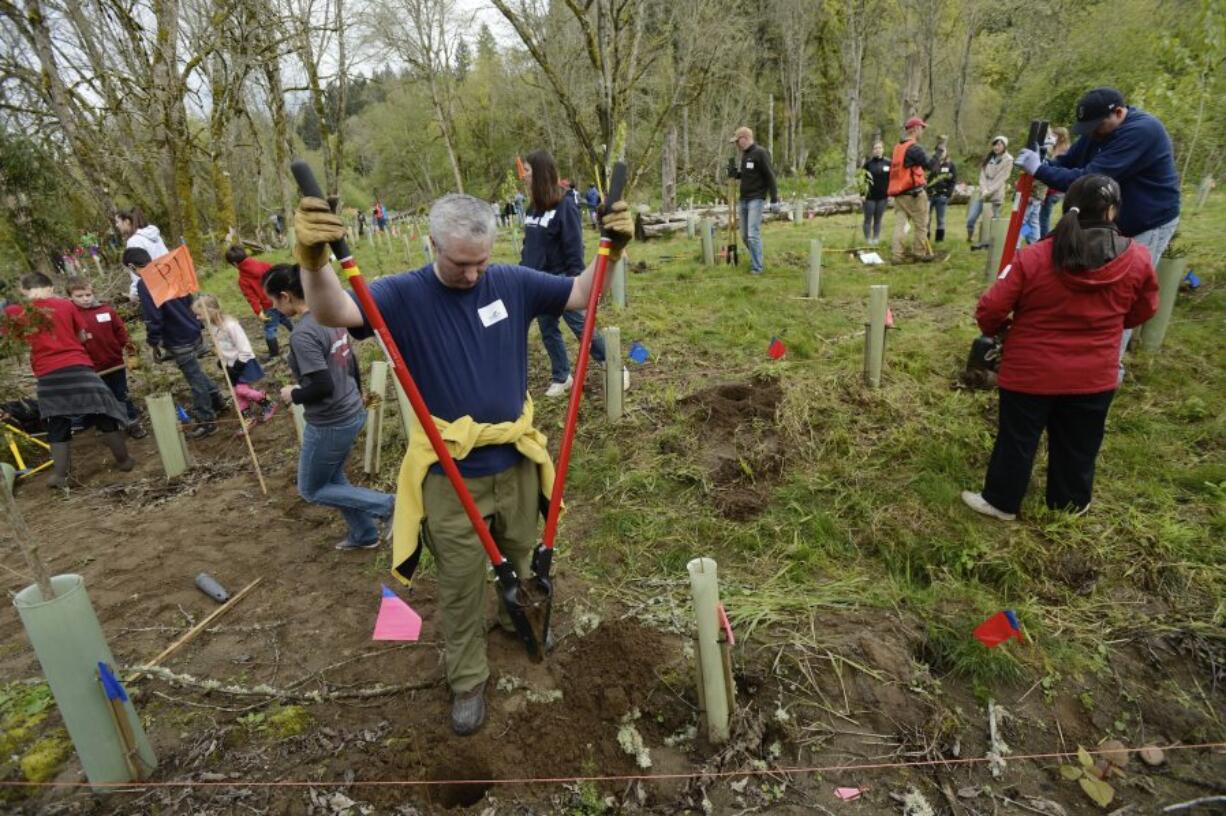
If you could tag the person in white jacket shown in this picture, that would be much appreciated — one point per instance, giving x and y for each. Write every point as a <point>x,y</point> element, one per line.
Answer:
<point>993,176</point>
<point>139,234</point>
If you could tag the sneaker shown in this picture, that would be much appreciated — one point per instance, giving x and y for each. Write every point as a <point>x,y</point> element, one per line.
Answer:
<point>386,525</point>
<point>1082,511</point>
<point>979,504</point>
<point>137,431</point>
<point>559,389</point>
<point>468,711</point>
<point>625,379</point>
<point>346,544</point>
<point>202,430</point>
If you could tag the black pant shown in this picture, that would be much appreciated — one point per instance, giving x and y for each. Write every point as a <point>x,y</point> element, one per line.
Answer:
<point>874,211</point>
<point>117,381</point>
<point>1074,424</point>
<point>59,428</point>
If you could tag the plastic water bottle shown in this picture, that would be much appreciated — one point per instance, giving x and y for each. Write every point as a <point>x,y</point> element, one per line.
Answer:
<point>183,417</point>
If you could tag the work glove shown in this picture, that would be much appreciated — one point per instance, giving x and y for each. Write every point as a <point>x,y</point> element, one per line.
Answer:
<point>618,225</point>
<point>1028,160</point>
<point>732,168</point>
<point>315,225</point>
<point>158,356</point>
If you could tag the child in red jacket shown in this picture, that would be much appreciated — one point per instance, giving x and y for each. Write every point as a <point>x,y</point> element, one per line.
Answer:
<point>67,384</point>
<point>106,344</point>
<point>1070,296</point>
<point>250,282</point>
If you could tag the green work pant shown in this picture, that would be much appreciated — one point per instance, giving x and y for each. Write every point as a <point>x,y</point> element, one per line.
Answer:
<point>509,502</point>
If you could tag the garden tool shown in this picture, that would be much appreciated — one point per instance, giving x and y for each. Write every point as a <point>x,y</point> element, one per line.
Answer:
<point>510,590</point>
<point>1034,140</point>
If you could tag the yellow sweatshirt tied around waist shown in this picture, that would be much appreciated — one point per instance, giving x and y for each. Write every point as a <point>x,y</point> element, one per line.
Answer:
<point>460,437</point>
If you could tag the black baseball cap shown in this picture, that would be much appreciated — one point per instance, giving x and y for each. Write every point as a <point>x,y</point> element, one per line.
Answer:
<point>1094,107</point>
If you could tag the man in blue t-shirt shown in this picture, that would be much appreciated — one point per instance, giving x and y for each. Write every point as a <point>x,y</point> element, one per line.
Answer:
<point>1132,147</point>
<point>461,325</point>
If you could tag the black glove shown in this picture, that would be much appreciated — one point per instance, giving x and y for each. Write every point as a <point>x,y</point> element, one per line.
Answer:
<point>158,356</point>
<point>732,168</point>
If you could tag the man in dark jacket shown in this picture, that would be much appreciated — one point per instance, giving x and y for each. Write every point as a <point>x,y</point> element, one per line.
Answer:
<point>174,328</point>
<point>757,181</point>
<point>1133,148</point>
<point>941,185</point>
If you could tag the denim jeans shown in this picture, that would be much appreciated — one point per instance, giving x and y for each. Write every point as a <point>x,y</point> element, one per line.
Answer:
<point>750,213</point>
<point>976,209</point>
<point>1155,240</point>
<point>203,388</point>
<point>117,381</point>
<point>939,203</point>
<point>275,318</point>
<point>551,336</point>
<point>321,478</point>
<point>1045,211</point>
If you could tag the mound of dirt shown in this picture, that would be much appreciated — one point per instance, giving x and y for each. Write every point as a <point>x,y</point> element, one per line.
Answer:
<point>740,446</point>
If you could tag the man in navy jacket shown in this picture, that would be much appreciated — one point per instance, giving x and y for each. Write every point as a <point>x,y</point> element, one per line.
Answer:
<point>1133,148</point>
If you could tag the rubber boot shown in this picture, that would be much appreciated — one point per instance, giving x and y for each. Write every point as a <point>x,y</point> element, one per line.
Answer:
<point>61,463</point>
<point>940,235</point>
<point>119,449</point>
<point>274,348</point>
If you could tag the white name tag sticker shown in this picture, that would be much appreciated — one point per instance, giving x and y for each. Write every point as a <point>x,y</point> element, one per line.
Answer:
<point>103,317</point>
<point>748,165</point>
<point>492,313</point>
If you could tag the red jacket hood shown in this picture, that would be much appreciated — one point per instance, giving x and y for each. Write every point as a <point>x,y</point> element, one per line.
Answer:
<point>1109,274</point>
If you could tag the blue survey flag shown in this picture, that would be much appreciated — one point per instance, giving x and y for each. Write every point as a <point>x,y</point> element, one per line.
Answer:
<point>110,684</point>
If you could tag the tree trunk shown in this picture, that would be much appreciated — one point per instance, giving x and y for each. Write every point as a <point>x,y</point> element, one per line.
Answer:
<point>913,83</point>
<point>964,67</point>
<point>444,126</point>
<point>223,190</point>
<point>338,145</point>
<point>176,137</point>
<point>668,171</point>
<point>857,24</point>
<point>281,146</point>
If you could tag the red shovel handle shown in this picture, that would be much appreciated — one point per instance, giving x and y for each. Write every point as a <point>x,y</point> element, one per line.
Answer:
<point>585,344</point>
<point>310,187</point>
<point>1021,199</point>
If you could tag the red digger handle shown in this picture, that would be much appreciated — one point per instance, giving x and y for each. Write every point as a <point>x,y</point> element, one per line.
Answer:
<point>585,344</point>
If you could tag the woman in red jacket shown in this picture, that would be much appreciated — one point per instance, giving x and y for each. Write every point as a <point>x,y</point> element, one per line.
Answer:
<point>1070,296</point>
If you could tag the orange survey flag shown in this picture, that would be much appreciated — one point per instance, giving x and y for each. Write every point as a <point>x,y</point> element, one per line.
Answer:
<point>520,170</point>
<point>171,276</point>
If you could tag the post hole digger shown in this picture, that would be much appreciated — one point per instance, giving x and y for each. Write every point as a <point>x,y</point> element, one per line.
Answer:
<point>459,334</point>
<point>1025,183</point>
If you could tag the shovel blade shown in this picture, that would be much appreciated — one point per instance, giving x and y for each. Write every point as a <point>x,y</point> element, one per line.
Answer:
<point>523,603</point>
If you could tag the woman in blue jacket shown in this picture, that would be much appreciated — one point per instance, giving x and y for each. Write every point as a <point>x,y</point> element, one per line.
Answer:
<point>553,243</point>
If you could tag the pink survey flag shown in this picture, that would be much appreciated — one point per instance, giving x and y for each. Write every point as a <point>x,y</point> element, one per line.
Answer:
<point>397,620</point>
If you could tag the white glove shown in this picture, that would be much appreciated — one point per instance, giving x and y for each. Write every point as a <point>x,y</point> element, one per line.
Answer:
<point>1028,160</point>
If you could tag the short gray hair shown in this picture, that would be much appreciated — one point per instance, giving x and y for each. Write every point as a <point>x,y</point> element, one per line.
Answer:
<point>462,217</point>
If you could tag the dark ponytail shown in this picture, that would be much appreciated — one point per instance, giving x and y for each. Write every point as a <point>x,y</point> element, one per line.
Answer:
<point>1088,202</point>
<point>134,217</point>
<point>283,278</point>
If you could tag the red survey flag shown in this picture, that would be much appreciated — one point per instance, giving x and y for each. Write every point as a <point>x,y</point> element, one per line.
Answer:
<point>397,620</point>
<point>776,349</point>
<point>997,629</point>
<point>171,276</point>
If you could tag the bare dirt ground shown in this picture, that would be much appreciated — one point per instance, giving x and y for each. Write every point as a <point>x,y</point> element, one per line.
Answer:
<point>861,692</point>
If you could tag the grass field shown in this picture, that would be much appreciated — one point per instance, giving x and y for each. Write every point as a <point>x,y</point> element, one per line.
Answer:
<point>864,511</point>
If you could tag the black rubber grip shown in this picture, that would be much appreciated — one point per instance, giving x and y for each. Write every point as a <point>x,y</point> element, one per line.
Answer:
<point>617,185</point>
<point>308,186</point>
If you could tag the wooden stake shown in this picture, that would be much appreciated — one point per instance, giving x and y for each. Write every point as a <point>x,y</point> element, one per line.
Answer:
<point>374,417</point>
<point>25,543</point>
<point>998,232</point>
<point>190,634</point>
<point>408,249</point>
<point>874,341</point>
<point>242,421</point>
<point>613,372</point>
<point>814,279</point>
<point>168,434</point>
